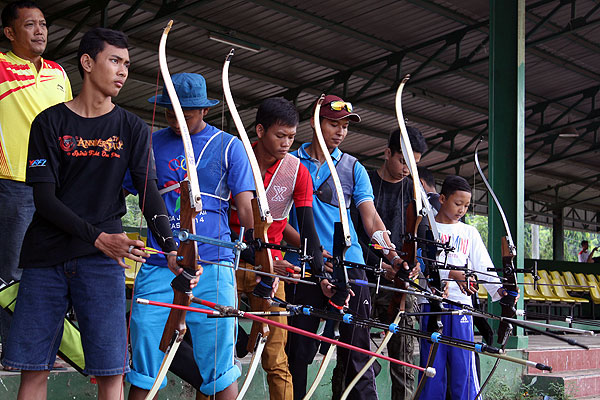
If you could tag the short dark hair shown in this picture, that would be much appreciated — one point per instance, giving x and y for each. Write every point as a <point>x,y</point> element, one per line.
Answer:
<point>417,141</point>
<point>427,176</point>
<point>11,12</point>
<point>454,183</point>
<point>276,110</point>
<point>584,242</point>
<point>95,40</point>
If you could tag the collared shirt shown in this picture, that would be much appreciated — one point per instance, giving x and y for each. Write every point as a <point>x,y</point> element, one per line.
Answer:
<point>326,214</point>
<point>24,93</point>
<point>302,198</point>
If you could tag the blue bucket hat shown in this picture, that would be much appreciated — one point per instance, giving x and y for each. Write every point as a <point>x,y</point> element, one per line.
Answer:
<point>191,91</point>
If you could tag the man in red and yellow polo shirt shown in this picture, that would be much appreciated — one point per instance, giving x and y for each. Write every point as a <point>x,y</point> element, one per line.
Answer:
<point>28,85</point>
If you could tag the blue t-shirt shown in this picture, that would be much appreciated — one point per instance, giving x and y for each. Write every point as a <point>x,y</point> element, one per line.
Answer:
<point>326,214</point>
<point>223,171</point>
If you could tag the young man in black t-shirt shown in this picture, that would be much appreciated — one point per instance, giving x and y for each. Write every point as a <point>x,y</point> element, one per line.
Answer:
<point>73,250</point>
<point>393,191</point>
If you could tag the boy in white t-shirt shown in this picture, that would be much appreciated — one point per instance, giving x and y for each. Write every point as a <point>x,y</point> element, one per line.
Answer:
<point>456,367</point>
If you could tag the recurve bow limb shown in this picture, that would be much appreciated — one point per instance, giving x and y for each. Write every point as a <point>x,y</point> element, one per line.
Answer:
<point>190,207</point>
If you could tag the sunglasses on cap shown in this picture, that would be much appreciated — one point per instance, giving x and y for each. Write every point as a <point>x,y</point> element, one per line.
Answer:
<point>339,105</point>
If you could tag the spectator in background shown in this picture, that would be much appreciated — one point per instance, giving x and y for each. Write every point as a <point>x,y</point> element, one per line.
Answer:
<point>24,94</point>
<point>584,256</point>
<point>428,183</point>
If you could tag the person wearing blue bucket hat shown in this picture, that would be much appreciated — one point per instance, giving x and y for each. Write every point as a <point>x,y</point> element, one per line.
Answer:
<point>224,172</point>
<point>191,91</point>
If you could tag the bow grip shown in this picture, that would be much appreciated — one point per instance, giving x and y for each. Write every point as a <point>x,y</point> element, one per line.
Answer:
<point>181,283</point>
<point>508,310</point>
<point>264,288</point>
<point>340,275</point>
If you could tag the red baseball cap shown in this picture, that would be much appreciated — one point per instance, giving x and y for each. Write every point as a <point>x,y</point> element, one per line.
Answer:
<point>335,108</point>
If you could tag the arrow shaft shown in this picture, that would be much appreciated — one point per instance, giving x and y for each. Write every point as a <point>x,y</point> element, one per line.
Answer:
<point>242,314</point>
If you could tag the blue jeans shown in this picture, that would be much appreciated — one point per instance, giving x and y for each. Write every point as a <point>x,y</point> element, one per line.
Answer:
<point>95,286</point>
<point>16,211</point>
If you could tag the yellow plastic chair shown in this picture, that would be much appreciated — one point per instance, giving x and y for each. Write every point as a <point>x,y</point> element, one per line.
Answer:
<point>571,282</point>
<point>482,293</point>
<point>582,281</point>
<point>131,272</point>
<point>555,275</point>
<point>531,294</point>
<point>561,292</point>
<point>546,290</point>
<point>543,274</point>
<point>533,298</point>
<point>590,279</point>
<point>135,236</point>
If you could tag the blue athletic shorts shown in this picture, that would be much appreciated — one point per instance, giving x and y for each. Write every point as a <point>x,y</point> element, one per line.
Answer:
<point>95,286</point>
<point>213,338</point>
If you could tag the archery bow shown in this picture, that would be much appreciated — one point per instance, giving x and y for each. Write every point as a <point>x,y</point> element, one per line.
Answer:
<point>421,208</point>
<point>341,242</point>
<point>414,216</point>
<point>434,321</point>
<point>262,221</point>
<point>191,205</point>
<point>508,273</point>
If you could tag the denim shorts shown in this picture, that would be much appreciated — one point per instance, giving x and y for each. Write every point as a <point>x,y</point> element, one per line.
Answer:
<point>95,286</point>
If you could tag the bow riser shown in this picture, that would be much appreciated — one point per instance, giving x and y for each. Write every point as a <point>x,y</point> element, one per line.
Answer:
<point>340,274</point>
<point>507,302</point>
<point>263,258</point>
<point>189,251</point>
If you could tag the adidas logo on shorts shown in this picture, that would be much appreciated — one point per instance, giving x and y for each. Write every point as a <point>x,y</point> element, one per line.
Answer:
<point>464,320</point>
